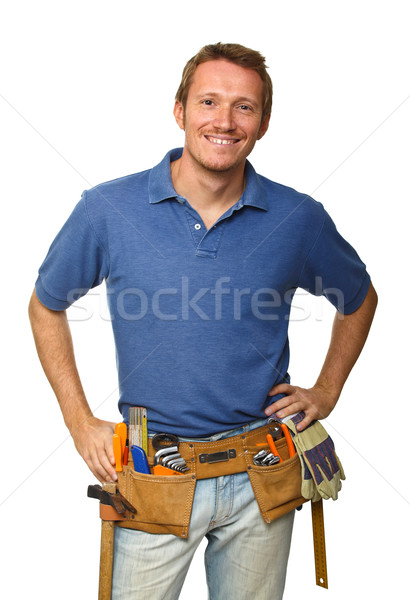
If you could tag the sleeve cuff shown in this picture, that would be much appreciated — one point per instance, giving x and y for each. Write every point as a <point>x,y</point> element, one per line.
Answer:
<point>49,301</point>
<point>354,304</point>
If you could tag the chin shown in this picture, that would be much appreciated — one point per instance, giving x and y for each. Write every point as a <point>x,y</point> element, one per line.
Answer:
<point>219,166</point>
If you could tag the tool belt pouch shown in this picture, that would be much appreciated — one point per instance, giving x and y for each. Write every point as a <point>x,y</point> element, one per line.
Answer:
<point>277,488</point>
<point>163,504</point>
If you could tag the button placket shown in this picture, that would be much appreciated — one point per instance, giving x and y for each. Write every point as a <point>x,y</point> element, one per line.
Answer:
<point>206,241</point>
<point>196,227</point>
<point>209,245</point>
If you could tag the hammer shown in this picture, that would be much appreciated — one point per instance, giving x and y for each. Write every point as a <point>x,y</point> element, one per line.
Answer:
<point>113,507</point>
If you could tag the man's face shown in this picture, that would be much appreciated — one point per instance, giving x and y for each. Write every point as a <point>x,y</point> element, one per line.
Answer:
<point>223,115</point>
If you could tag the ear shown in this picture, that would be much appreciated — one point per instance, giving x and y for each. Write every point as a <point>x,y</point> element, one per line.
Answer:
<point>179,114</point>
<point>264,127</point>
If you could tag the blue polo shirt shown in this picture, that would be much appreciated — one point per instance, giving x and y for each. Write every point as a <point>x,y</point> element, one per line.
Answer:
<point>200,317</point>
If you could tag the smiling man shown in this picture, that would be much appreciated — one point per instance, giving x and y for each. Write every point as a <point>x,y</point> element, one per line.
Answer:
<point>201,258</point>
<point>223,115</point>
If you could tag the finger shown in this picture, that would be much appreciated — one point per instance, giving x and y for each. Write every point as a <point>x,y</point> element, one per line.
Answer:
<point>290,409</point>
<point>106,464</point>
<point>281,388</point>
<point>276,406</point>
<point>279,409</point>
<point>107,460</point>
<point>109,451</point>
<point>101,478</point>
<point>305,422</point>
<point>100,465</point>
<point>285,406</point>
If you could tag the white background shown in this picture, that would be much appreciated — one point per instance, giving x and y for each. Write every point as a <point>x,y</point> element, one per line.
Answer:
<point>87,91</point>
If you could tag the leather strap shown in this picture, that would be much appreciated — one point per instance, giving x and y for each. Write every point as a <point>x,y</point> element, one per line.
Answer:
<point>221,457</point>
<point>108,513</point>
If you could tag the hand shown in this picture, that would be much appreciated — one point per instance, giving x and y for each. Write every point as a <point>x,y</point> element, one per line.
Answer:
<point>316,402</point>
<point>93,440</point>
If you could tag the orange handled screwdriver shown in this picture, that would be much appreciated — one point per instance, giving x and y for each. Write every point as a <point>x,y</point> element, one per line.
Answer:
<point>121,430</point>
<point>116,442</point>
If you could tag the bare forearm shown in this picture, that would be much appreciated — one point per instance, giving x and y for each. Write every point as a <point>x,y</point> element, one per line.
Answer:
<point>349,335</point>
<point>92,437</point>
<point>54,345</point>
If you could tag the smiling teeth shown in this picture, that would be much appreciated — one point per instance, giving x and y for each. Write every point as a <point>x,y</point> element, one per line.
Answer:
<point>219,141</point>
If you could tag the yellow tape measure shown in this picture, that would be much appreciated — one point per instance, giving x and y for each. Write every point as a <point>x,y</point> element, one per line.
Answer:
<point>319,543</point>
<point>144,430</point>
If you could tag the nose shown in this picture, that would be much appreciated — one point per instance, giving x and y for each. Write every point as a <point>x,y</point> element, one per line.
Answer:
<point>224,119</point>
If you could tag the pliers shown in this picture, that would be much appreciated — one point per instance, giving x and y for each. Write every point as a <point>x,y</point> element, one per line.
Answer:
<point>273,435</point>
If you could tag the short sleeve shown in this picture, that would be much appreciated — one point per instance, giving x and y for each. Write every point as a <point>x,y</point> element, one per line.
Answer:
<point>333,269</point>
<point>76,262</point>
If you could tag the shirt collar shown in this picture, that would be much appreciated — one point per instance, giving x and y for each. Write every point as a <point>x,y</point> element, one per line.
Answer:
<point>161,188</point>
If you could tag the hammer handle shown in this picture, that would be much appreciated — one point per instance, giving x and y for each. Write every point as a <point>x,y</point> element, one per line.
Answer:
<point>107,551</point>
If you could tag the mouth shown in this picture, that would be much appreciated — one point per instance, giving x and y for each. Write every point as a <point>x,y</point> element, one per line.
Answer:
<point>221,141</point>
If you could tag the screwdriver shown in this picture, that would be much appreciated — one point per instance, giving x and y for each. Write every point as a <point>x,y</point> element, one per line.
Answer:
<point>116,442</point>
<point>121,430</point>
<point>126,451</point>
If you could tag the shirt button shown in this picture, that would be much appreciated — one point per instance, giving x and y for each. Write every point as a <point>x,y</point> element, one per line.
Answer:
<point>197,226</point>
<point>180,201</point>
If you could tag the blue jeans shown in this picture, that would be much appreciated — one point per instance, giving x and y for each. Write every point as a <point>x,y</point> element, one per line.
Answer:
<point>245,558</point>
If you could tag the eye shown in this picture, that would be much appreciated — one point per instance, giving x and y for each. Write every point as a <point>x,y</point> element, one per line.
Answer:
<point>207,102</point>
<point>244,107</point>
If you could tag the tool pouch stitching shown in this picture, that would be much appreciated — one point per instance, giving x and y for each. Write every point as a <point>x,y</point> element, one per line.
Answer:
<point>266,482</point>
<point>275,495</point>
<point>163,504</point>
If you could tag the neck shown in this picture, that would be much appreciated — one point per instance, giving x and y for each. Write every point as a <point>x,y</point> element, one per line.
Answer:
<point>210,193</point>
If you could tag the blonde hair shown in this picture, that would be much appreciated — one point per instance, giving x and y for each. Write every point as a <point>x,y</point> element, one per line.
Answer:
<point>239,55</point>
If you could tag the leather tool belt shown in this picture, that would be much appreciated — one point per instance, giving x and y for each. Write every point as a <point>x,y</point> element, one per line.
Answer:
<point>164,503</point>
